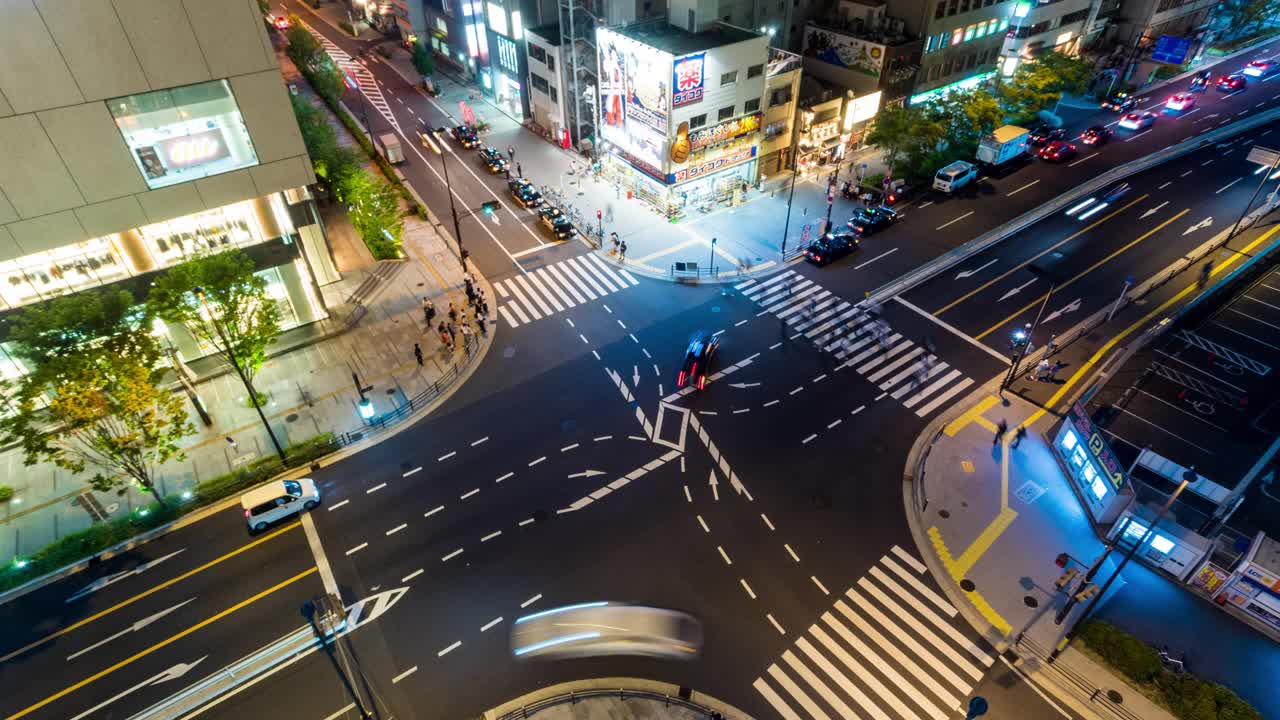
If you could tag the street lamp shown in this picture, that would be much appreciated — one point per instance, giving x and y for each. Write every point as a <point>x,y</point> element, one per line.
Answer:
<point>235,363</point>
<point>431,139</point>
<point>1022,337</point>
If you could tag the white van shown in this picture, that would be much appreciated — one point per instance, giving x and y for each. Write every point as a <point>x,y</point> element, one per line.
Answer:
<point>278,500</point>
<point>955,176</point>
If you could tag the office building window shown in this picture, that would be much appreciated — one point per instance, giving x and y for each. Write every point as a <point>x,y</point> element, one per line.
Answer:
<point>952,6</point>
<point>780,96</point>
<point>537,53</point>
<point>539,83</point>
<point>940,10</point>
<point>751,105</point>
<point>552,92</point>
<point>697,121</point>
<point>184,133</point>
<point>928,46</point>
<point>725,113</point>
<point>969,32</point>
<point>729,78</point>
<point>964,5</point>
<point>551,63</point>
<point>755,71</point>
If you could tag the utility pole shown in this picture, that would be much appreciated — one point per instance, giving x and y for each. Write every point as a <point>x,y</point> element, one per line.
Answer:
<point>433,140</point>
<point>1022,350</point>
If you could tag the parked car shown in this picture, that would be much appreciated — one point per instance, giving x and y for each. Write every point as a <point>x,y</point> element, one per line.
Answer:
<point>955,176</point>
<point>830,247</point>
<point>466,136</point>
<point>1042,135</point>
<point>492,159</point>
<point>1120,102</point>
<point>1096,135</point>
<point>524,193</point>
<point>556,221</point>
<point>869,221</point>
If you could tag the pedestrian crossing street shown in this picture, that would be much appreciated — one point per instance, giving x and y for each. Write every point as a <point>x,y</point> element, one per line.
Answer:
<point>553,288</point>
<point>368,86</point>
<point>890,648</point>
<point>904,370</point>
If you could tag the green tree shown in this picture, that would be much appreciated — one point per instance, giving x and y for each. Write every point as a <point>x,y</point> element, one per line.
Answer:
<point>373,205</point>
<point>236,316</point>
<point>326,78</point>
<point>330,160</point>
<point>894,132</point>
<point>302,47</point>
<point>1039,83</point>
<point>1244,17</point>
<point>422,60</point>
<point>965,116</point>
<point>92,396</point>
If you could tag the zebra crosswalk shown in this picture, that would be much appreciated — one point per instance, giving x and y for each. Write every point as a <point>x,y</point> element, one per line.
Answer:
<point>368,85</point>
<point>556,287</point>
<point>902,369</point>
<point>890,648</point>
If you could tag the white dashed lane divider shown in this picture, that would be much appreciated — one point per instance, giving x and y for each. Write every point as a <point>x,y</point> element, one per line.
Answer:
<point>620,482</point>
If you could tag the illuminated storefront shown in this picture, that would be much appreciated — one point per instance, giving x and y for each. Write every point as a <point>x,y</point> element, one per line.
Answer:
<point>500,51</point>
<point>1097,474</point>
<point>669,134</point>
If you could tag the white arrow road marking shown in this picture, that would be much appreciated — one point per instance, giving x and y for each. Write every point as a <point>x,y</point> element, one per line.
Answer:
<point>1017,290</point>
<point>740,386</point>
<point>1070,307</point>
<point>635,376</point>
<point>140,624</point>
<point>739,487</point>
<point>1207,222</point>
<point>715,486</point>
<point>1153,210</point>
<point>970,273</point>
<point>172,673</point>
<point>587,474</point>
<point>109,580</point>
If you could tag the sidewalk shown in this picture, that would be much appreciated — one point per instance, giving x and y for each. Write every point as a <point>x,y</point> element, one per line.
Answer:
<point>614,699</point>
<point>746,236</point>
<point>308,380</point>
<point>991,519</point>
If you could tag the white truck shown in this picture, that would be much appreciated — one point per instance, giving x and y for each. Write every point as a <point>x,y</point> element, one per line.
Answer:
<point>1002,146</point>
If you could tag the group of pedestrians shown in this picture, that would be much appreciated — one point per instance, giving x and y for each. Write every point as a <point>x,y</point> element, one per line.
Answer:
<point>457,321</point>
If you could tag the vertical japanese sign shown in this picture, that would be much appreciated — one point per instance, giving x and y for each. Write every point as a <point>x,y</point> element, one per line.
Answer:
<point>688,79</point>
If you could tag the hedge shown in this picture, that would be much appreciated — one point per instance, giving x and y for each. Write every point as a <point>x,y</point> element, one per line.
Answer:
<point>1185,695</point>
<point>78,546</point>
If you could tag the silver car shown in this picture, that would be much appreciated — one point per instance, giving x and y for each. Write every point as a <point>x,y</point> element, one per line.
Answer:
<point>604,628</point>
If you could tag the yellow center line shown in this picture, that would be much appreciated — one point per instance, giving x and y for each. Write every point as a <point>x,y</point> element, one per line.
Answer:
<point>123,604</point>
<point>1034,258</point>
<point>1088,270</point>
<point>167,641</point>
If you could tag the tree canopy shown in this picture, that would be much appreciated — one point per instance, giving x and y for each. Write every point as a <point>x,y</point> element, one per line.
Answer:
<point>1040,83</point>
<point>92,396</point>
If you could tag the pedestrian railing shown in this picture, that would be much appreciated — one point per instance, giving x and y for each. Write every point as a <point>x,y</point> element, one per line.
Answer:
<point>573,696</point>
<point>692,270</point>
<point>1106,700</point>
<point>380,423</point>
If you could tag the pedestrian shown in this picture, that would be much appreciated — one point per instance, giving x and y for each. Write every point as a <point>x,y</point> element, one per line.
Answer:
<point>428,310</point>
<point>511,153</point>
<point>1042,369</point>
<point>506,170</point>
<point>417,353</point>
<point>467,283</point>
<point>453,315</point>
<point>1001,428</point>
<point>483,323</point>
<point>519,172</point>
<point>232,442</point>
<point>484,306</point>
<point>445,337</point>
<point>613,236</point>
<point>1018,435</point>
<point>467,336</point>
<point>622,250</point>
<point>1053,371</point>
<point>471,295</point>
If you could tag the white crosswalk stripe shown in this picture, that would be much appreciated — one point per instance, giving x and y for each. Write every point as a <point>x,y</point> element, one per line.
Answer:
<point>880,652</point>
<point>898,366</point>
<point>558,287</point>
<point>368,85</point>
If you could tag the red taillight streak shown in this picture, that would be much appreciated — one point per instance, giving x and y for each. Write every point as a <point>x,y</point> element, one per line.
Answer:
<point>680,379</point>
<point>702,381</point>
<point>246,512</point>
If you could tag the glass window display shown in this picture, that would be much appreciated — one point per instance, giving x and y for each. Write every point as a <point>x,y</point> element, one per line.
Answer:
<point>184,133</point>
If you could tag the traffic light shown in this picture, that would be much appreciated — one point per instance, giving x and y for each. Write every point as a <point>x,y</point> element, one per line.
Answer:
<point>489,207</point>
<point>1062,560</point>
<point>1086,592</point>
<point>599,214</point>
<point>1065,579</point>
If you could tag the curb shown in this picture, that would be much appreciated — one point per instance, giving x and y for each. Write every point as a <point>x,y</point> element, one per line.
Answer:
<point>616,683</point>
<point>732,276</point>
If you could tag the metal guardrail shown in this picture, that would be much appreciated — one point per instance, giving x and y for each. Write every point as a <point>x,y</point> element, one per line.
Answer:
<point>693,270</point>
<point>218,683</point>
<point>1096,696</point>
<point>950,259</point>
<point>415,403</point>
<point>571,697</point>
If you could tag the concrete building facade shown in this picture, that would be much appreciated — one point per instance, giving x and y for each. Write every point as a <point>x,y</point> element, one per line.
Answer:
<point>137,133</point>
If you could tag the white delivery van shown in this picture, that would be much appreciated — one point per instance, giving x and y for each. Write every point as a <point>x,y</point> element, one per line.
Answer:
<point>278,500</point>
<point>389,144</point>
<point>955,176</point>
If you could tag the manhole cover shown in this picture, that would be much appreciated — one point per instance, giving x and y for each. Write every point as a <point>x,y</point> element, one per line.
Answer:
<point>1115,697</point>
<point>508,352</point>
<point>1030,601</point>
<point>1029,492</point>
<point>944,514</point>
<point>967,585</point>
<point>391,391</point>
<point>291,417</point>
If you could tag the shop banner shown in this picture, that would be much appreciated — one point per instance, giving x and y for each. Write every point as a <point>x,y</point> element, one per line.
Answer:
<point>687,79</point>
<point>1097,445</point>
<point>707,168</point>
<point>705,137</point>
<point>634,96</point>
<point>1260,576</point>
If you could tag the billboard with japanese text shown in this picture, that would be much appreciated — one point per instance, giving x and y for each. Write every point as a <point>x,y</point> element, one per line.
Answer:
<point>687,79</point>
<point>634,95</point>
